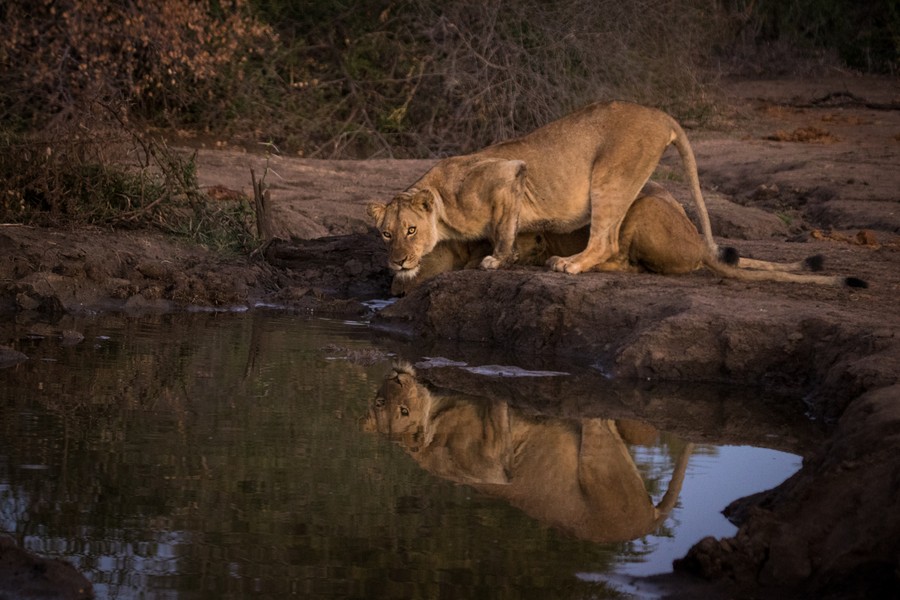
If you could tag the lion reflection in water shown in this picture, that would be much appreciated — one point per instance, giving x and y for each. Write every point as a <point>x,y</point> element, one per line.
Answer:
<point>574,475</point>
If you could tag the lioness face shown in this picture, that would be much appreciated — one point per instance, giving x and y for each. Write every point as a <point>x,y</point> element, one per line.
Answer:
<point>399,407</point>
<point>407,226</point>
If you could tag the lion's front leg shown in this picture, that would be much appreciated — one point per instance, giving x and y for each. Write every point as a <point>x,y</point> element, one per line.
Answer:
<point>504,227</point>
<point>504,249</point>
<point>489,205</point>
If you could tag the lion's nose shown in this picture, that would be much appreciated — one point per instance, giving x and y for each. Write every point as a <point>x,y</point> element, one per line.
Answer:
<point>400,261</point>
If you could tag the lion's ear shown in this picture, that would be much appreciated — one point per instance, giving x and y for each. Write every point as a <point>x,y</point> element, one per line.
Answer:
<point>424,200</point>
<point>376,210</point>
<point>402,366</point>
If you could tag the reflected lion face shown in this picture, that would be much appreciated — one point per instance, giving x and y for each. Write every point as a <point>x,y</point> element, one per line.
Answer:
<point>400,406</point>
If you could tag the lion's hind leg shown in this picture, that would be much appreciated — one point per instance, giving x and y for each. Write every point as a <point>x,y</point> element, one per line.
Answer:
<point>624,260</point>
<point>606,222</point>
<point>658,237</point>
<point>616,182</point>
<point>618,264</point>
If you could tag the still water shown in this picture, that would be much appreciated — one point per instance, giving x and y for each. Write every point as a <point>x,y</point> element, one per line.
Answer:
<point>267,455</point>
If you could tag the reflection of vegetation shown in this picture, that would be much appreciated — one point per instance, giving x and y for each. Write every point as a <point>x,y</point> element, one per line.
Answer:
<point>219,453</point>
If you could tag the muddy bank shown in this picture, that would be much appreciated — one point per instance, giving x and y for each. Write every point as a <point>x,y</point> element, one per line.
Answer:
<point>825,344</point>
<point>830,530</point>
<point>52,272</point>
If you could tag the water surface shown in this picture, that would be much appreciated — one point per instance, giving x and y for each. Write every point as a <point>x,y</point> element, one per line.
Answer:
<point>227,456</point>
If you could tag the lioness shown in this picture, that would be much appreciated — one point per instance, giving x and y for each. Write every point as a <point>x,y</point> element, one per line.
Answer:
<point>586,168</point>
<point>656,236</point>
<point>574,475</point>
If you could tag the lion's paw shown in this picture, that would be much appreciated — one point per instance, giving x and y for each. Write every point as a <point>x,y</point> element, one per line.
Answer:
<point>491,263</point>
<point>563,265</point>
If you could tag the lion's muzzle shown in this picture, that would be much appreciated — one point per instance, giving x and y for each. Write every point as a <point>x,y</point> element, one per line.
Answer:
<point>404,272</point>
<point>405,267</point>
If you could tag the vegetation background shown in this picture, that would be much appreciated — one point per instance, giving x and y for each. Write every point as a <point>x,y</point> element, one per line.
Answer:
<point>90,90</point>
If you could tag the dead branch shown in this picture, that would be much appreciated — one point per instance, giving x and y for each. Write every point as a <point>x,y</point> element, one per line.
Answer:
<point>261,198</point>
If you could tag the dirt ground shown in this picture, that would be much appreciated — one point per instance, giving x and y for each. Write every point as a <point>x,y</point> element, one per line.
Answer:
<point>789,169</point>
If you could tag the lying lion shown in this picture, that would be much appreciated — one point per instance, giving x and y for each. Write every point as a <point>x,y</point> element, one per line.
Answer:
<point>656,236</point>
<point>586,168</point>
<point>574,475</point>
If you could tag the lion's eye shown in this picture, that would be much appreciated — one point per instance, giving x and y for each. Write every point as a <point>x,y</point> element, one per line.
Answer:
<point>386,235</point>
<point>404,411</point>
<point>379,401</point>
<point>411,230</point>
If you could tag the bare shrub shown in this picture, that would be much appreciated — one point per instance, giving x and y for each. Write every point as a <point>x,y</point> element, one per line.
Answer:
<point>74,74</point>
<point>506,67</point>
<point>404,77</point>
<point>81,81</point>
<point>56,56</point>
<point>424,77</point>
<point>429,77</point>
<point>810,37</point>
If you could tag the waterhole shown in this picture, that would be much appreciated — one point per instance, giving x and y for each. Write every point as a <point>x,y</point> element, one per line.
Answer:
<point>270,455</point>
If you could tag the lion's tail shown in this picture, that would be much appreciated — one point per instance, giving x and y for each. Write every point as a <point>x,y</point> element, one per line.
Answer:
<point>810,263</point>
<point>670,498</point>
<point>730,257</point>
<point>744,269</point>
<point>679,139</point>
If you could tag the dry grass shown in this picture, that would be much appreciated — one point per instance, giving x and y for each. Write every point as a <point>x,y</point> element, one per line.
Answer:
<point>99,169</point>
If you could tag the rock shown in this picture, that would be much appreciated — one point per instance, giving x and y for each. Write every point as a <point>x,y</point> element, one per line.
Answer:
<point>139,303</point>
<point>153,270</point>
<point>10,357</point>
<point>26,575</point>
<point>25,301</point>
<point>70,337</point>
